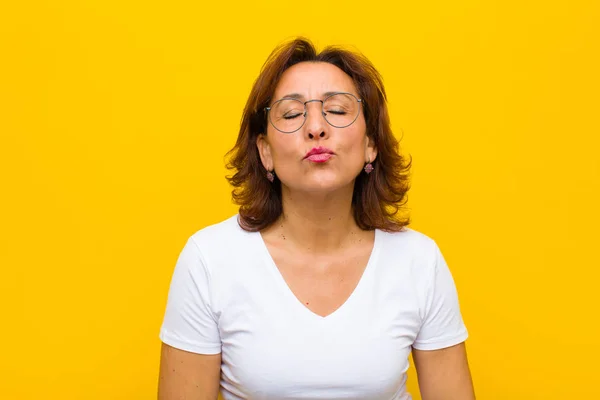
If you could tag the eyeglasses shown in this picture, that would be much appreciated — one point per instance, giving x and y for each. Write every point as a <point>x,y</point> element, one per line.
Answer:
<point>339,109</point>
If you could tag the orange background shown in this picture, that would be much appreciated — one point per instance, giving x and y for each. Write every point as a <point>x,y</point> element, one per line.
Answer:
<point>115,117</point>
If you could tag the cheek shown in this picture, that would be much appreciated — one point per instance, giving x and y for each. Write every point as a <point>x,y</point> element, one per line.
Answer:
<point>356,141</point>
<point>283,147</point>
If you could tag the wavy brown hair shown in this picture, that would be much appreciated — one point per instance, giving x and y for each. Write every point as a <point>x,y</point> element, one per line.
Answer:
<point>378,198</point>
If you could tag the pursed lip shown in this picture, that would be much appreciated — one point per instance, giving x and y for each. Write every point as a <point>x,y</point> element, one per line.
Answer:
<point>318,150</point>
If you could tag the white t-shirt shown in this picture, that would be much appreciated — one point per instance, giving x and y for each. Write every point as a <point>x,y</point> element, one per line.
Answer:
<point>228,296</point>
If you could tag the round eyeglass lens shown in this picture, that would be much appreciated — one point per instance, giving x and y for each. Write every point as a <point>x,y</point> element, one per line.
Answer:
<point>287,115</point>
<point>341,109</point>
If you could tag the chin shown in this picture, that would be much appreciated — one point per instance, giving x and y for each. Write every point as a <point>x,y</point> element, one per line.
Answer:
<point>326,184</point>
<point>322,181</point>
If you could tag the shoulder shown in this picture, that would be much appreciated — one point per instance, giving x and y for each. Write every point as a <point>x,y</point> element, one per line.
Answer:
<point>411,251</point>
<point>219,234</point>
<point>222,243</point>
<point>409,243</point>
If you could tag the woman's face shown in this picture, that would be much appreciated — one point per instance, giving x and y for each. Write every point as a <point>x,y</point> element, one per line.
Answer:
<point>349,148</point>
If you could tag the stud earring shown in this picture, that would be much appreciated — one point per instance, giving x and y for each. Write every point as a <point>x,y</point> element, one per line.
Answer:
<point>270,176</point>
<point>369,168</point>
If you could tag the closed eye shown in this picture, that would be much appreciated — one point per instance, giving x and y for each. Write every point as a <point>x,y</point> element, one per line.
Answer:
<point>291,116</point>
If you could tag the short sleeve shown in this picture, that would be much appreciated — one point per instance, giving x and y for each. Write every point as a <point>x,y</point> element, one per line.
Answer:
<point>442,325</point>
<point>189,323</point>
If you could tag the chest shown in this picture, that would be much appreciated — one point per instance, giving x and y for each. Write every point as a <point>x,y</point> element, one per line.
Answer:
<point>282,352</point>
<point>308,362</point>
<point>273,347</point>
<point>321,284</point>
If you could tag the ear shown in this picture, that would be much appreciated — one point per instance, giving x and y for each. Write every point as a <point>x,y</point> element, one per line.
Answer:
<point>264,150</point>
<point>370,150</point>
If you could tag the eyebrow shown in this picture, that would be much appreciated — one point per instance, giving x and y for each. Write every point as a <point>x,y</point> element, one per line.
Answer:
<point>298,96</point>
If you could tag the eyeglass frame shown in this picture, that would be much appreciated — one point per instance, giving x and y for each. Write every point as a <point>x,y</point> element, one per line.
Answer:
<point>359,101</point>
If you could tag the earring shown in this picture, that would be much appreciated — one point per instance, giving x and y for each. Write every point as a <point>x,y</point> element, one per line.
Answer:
<point>369,168</point>
<point>270,176</point>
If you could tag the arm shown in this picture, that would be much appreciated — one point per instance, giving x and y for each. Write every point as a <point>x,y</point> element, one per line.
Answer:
<point>190,363</point>
<point>188,376</point>
<point>444,374</point>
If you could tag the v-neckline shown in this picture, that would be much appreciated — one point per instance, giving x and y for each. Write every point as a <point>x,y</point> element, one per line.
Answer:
<point>295,301</point>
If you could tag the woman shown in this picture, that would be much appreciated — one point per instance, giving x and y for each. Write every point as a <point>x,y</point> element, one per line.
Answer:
<point>316,289</point>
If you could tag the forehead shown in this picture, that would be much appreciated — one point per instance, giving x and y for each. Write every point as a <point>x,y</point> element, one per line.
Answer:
<point>313,79</point>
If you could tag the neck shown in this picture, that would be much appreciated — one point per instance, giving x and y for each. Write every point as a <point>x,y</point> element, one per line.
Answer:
<point>318,223</point>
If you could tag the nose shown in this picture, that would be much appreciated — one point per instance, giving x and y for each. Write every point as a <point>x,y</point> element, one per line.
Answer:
<point>316,126</point>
